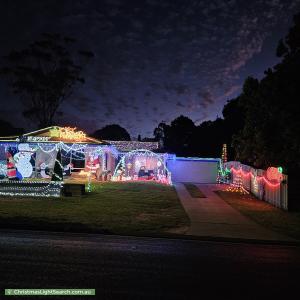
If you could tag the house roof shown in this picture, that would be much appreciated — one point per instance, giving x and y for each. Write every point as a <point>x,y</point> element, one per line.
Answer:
<point>126,146</point>
<point>55,134</point>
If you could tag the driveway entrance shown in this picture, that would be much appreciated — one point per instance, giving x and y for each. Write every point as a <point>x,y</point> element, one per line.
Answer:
<point>213,217</point>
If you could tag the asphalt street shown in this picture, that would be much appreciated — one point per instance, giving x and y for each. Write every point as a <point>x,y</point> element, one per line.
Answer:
<point>121,267</point>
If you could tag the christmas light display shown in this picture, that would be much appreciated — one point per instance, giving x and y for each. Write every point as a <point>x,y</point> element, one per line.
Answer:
<point>258,178</point>
<point>237,184</point>
<point>58,168</point>
<point>55,133</point>
<point>220,172</point>
<point>3,169</point>
<point>44,167</point>
<point>89,187</point>
<point>162,174</point>
<point>10,167</point>
<point>274,180</point>
<point>255,183</point>
<point>224,154</point>
<point>77,150</point>
<point>274,174</point>
<point>92,162</point>
<point>127,146</point>
<point>67,169</point>
<point>31,188</point>
<point>22,160</point>
<point>67,133</point>
<point>222,176</point>
<point>25,153</point>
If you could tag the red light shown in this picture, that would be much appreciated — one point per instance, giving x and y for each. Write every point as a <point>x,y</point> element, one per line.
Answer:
<point>246,174</point>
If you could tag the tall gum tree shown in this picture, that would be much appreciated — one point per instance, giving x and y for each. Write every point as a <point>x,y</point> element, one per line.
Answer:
<point>44,75</point>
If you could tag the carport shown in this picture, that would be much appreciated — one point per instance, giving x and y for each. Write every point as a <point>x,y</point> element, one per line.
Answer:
<point>193,169</point>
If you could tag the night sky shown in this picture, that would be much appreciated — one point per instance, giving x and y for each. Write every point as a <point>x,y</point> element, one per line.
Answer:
<point>155,59</point>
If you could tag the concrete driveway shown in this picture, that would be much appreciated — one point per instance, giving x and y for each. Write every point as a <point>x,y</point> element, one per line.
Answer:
<point>213,217</point>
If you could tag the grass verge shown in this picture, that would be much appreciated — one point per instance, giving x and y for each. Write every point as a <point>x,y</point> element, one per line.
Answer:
<point>112,207</point>
<point>263,213</point>
<point>194,191</point>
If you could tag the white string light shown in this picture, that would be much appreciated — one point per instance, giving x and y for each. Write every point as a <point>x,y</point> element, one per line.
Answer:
<point>139,153</point>
<point>61,167</point>
<point>53,188</point>
<point>27,188</point>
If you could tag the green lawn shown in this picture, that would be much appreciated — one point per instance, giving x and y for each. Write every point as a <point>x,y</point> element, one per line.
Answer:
<point>194,190</point>
<point>264,213</point>
<point>120,208</point>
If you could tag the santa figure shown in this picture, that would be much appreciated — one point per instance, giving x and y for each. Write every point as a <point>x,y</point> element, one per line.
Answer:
<point>11,167</point>
<point>92,164</point>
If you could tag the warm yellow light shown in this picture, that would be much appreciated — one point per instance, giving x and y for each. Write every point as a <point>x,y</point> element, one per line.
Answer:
<point>67,133</point>
<point>83,173</point>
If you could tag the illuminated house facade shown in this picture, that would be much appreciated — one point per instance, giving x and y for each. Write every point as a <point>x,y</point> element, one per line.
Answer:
<point>33,155</point>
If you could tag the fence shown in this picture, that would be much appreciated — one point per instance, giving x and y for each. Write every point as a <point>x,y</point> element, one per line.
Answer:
<point>255,181</point>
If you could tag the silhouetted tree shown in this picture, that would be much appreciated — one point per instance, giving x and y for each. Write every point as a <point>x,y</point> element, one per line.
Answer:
<point>182,130</point>
<point>182,137</point>
<point>177,137</point>
<point>148,139</point>
<point>234,122</point>
<point>6,129</point>
<point>112,132</point>
<point>209,137</point>
<point>44,75</point>
<point>271,135</point>
<point>161,135</point>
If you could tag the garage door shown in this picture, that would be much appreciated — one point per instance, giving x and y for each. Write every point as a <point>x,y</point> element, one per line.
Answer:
<point>193,170</point>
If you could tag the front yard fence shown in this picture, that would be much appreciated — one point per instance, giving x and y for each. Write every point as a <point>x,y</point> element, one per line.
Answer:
<point>253,182</point>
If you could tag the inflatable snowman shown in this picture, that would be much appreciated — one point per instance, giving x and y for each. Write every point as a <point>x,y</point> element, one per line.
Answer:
<point>22,159</point>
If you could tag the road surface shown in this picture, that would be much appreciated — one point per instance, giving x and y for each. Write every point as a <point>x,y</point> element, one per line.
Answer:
<point>121,267</point>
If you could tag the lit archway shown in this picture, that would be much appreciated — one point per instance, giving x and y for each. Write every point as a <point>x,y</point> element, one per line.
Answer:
<point>142,164</point>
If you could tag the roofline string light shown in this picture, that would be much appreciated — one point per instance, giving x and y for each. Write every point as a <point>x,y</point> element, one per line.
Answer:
<point>80,149</point>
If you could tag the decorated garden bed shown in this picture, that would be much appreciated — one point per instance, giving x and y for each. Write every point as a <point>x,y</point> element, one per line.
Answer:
<point>31,188</point>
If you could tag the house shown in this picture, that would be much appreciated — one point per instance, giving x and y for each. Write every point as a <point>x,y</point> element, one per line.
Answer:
<point>33,155</point>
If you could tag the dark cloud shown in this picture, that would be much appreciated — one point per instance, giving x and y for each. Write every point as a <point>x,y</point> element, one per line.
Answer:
<point>154,59</point>
<point>179,104</point>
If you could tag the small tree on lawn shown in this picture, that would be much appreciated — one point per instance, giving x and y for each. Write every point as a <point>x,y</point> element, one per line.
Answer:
<point>58,169</point>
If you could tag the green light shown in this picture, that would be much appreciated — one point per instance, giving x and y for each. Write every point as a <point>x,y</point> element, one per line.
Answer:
<point>279,169</point>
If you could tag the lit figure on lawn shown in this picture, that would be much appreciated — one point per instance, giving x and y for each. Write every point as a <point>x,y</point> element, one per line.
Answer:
<point>22,159</point>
